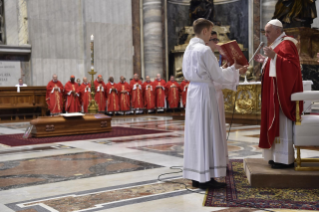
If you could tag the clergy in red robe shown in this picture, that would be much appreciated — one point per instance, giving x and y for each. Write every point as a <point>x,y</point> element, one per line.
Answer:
<point>281,77</point>
<point>149,94</point>
<point>160,98</point>
<point>124,95</point>
<point>100,94</point>
<point>54,95</point>
<point>113,97</point>
<point>72,93</point>
<point>137,93</point>
<point>85,94</point>
<point>172,90</point>
<point>183,90</point>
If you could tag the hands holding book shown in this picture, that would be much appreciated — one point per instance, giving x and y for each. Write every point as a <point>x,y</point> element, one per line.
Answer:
<point>242,69</point>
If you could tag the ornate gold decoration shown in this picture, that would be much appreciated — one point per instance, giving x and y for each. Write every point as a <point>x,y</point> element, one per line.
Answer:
<point>247,99</point>
<point>93,106</point>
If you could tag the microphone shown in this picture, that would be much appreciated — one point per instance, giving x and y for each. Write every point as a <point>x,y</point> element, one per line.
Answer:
<point>258,49</point>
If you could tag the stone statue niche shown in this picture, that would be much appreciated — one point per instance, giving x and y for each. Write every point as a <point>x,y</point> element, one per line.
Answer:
<point>297,17</point>
<point>201,9</point>
<point>295,13</point>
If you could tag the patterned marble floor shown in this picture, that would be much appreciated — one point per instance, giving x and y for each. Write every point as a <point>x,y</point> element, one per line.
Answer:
<point>116,174</point>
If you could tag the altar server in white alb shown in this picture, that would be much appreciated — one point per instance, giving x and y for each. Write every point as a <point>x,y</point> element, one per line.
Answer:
<point>205,151</point>
<point>281,77</point>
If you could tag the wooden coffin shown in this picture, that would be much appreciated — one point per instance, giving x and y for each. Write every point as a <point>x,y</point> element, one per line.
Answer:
<point>59,125</point>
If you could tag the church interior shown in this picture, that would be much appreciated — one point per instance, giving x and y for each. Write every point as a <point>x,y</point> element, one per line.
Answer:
<point>93,106</point>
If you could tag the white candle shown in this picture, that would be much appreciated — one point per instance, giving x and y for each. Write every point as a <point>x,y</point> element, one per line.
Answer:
<point>92,38</point>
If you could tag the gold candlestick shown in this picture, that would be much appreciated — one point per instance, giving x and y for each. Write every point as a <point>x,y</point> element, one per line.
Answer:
<point>93,106</point>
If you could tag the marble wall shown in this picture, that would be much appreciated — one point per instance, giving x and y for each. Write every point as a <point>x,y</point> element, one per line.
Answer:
<point>60,30</point>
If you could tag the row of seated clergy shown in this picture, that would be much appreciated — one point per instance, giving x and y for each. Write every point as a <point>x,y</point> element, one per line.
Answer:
<point>113,97</point>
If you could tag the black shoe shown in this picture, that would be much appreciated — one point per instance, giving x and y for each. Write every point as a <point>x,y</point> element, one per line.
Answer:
<point>271,162</point>
<point>214,184</point>
<point>195,183</point>
<point>282,166</point>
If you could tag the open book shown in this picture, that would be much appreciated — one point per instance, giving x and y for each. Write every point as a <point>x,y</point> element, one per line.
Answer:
<point>231,50</point>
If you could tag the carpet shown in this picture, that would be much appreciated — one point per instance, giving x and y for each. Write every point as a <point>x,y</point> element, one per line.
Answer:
<point>17,140</point>
<point>240,194</point>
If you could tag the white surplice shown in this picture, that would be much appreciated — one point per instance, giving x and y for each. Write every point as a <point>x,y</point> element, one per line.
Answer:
<point>205,147</point>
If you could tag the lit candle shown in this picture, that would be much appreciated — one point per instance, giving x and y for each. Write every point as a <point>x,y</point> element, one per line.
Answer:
<point>92,38</point>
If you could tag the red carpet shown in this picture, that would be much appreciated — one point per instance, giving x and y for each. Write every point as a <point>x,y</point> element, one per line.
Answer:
<point>17,140</point>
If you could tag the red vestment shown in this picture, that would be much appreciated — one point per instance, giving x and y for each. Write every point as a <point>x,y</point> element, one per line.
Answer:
<point>124,98</point>
<point>72,104</point>
<point>172,91</point>
<point>159,87</point>
<point>85,94</point>
<point>113,98</point>
<point>137,94</point>
<point>276,92</point>
<point>183,89</point>
<point>100,95</point>
<point>149,95</point>
<point>54,97</point>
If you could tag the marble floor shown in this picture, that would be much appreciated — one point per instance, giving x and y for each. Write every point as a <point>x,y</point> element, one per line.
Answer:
<point>115,174</point>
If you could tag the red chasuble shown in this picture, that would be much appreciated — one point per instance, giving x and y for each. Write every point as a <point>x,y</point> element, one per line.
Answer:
<point>183,89</point>
<point>159,87</point>
<point>149,95</point>
<point>137,94</point>
<point>54,97</point>
<point>113,98</point>
<point>85,94</point>
<point>172,90</point>
<point>276,92</point>
<point>72,103</point>
<point>125,104</point>
<point>100,95</point>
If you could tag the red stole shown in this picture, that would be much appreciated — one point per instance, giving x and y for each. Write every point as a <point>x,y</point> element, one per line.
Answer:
<point>113,98</point>
<point>85,96</point>
<point>100,96</point>
<point>72,100</point>
<point>137,94</point>
<point>172,94</point>
<point>159,93</point>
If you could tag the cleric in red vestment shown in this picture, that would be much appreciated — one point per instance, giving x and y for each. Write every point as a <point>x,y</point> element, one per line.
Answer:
<point>124,95</point>
<point>137,94</point>
<point>172,91</point>
<point>183,90</point>
<point>100,94</point>
<point>54,95</point>
<point>160,98</point>
<point>113,98</point>
<point>281,77</point>
<point>149,94</point>
<point>85,94</point>
<point>72,93</point>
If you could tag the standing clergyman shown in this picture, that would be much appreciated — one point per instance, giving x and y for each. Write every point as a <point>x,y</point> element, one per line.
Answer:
<point>205,149</point>
<point>281,77</point>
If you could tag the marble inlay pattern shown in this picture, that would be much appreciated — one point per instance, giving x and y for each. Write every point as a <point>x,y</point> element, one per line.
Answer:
<point>235,149</point>
<point>96,200</point>
<point>139,138</point>
<point>20,173</point>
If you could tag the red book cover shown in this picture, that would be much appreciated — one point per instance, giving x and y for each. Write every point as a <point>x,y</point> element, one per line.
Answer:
<point>231,50</point>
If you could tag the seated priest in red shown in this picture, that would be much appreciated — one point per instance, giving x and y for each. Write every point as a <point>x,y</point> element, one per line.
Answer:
<point>160,98</point>
<point>183,90</point>
<point>72,93</point>
<point>281,77</point>
<point>113,97</point>
<point>172,90</point>
<point>100,94</point>
<point>54,95</point>
<point>124,96</point>
<point>137,94</point>
<point>149,95</point>
<point>85,94</point>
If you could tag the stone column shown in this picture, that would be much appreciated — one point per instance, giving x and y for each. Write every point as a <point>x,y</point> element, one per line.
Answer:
<point>153,40</point>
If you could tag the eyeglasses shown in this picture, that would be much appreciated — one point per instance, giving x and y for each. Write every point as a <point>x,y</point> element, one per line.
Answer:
<point>214,39</point>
